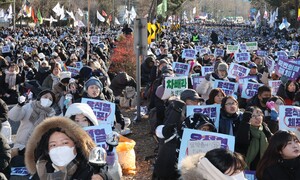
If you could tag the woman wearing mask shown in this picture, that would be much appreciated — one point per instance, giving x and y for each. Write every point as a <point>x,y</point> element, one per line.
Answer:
<point>59,149</point>
<point>215,96</point>
<point>281,159</point>
<point>252,137</point>
<point>230,116</point>
<point>30,115</point>
<point>218,164</point>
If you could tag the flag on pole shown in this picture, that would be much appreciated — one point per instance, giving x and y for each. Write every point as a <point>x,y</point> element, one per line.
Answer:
<point>132,13</point>
<point>162,8</point>
<point>117,21</point>
<point>71,14</point>
<point>39,16</point>
<point>34,18</point>
<point>103,13</point>
<point>99,17</point>
<point>62,13</point>
<point>10,12</point>
<point>57,9</point>
<point>194,10</point>
<point>266,14</point>
<point>80,12</point>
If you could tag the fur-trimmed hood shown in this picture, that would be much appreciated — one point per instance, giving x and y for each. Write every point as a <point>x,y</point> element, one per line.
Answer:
<point>74,131</point>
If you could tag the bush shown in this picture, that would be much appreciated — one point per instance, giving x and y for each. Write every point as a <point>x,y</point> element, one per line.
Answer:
<point>123,57</point>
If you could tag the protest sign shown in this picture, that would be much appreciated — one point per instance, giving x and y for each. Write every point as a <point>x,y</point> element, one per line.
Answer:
<point>98,134</point>
<point>196,80</point>
<point>288,68</point>
<point>94,39</point>
<point>206,69</point>
<point>251,46</point>
<point>281,55</point>
<point>236,70</point>
<point>181,69</point>
<point>189,54</point>
<point>232,49</point>
<point>212,111</point>
<point>270,63</point>
<point>74,70</point>
<point>261,53</point>
<point>242,57</point>
<point>242,47</point>
<point>5,49</point>
<point>104,110</point>
<point>219,52</point>
<point>274,84</point>
<point>198,48</point>
<point>196,141</point>
<point>250,89</point>
<point>250,175</point>
<point>174,86</point>
<point>230,88</point>
<point>19,171</point>
<point>203,51</point>
<point>243,80</point>
<point>289,117</point>
<point>79,65</point>
<point>295,48</point>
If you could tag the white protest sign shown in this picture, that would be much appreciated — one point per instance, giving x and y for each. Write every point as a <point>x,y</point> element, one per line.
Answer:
<point>274,84</point>
<point>195,141</point>
<point>206,69</point>
<point>232,49</point>
<point>204,51</point>
<point>198,48</point>
<point>174,86</point>
<point>281,55</point>
<point>74,70</point>
<point>242,47</point>
<point>230,88</point>
<point>236,70</point>
<point>94,39</point>
<point>5,49</point>
<point>104,110</point>
<point>295,48</point>
<point>289,118</point>
<point>261,53</point>
<point>79,65</point>
<point>251,46</point>
<point>196,80</point>
<point>98,134</point>
<point>270,63</point>
<point>189,54</point>
<point>250,89</point>
<point>219,52</point>
<point>181,69</point>
<point>212,111</point>
<point>242,57</point>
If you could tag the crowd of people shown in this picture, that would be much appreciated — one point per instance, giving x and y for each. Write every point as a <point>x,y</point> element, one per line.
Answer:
<point>46,99</point>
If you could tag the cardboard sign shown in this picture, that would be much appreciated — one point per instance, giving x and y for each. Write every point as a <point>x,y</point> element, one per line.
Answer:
<point>288,68</point>
<point>189,54</point>
<point>230,88</point>
<point>242,57</point>
<point>274,84</point>
<point>206,69</point>
<point>236,70</point>
<point>250,89</point>
<point>174,86</point>
<point>212,111</point>
<point>104,110</point>
<point>196,141</point>
<point>232,49</point>
<point>181,69</point>
<point>251,46</point>
<point>99,133</point>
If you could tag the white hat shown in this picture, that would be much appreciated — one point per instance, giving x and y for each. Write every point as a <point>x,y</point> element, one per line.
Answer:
<point>41,55</point>
<point>64,75</point>
<point>81,108</point>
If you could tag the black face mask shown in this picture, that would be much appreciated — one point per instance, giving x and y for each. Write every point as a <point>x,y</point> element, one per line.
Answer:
<point>265,100</point>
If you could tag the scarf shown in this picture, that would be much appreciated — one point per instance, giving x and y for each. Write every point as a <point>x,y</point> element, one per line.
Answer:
<point>258,144</point>
<point>55,80</point>
<point>46,170</point>
<point>10,79</point>
<point>39,113</point>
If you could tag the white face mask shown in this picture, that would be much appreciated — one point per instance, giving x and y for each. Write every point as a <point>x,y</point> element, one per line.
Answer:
<point>239,176</point>
<point>62,155</point>
<point>45,102</point>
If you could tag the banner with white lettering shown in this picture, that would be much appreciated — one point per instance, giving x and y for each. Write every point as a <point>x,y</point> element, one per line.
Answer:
<point>196,80</point>
<point>19,171</point>
<point>196,141</point>
<point>288,68</point>
<point>289,118</point>
<point>242,47</point>
<point>281,55</point>
<point>270,63</point>
<point>261,53</point>
<point>219,52</point>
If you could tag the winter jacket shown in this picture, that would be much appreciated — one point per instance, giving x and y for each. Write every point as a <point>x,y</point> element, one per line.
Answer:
<point>42,74</point>
<point>47,83</point>
<point>283,169</point>
<point>22,115</point>
<point>226,121</point>
<point>38,164</point>
<point>146,70</point>
<point>3,111</point>
<point>4,157</point>
<point>119,83</point>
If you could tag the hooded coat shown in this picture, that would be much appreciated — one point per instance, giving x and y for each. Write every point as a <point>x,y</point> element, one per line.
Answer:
<point>83,143</point>
<point>119,83</point>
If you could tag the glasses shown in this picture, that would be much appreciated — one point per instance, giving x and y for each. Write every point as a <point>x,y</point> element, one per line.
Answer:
<point>231,104</point>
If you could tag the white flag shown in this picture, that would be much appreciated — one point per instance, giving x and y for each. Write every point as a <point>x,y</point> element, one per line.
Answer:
<point>51,19</point>
<point>100,17</point>
<point>56,9</point>
<point>117,21</point>
<point>71,14</point>
<point>1,13</point>
<point>79,23</point>
<point>79,12</point>
<point>257,15</point>
<point>132,14</point>
<point>62,13</point>
<point>194,10</point>
<point>9,16</point>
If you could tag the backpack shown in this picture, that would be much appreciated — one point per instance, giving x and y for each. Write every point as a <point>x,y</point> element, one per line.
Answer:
<point>129,97</point>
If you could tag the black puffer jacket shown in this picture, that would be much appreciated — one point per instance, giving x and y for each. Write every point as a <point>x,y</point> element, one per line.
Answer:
<point>119,83</point>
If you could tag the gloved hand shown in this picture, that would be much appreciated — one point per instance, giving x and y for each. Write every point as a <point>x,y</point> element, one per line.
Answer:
<point>169,130</point>
<point>271,105</point>
<point>274,115</point>
<point>21,100</point>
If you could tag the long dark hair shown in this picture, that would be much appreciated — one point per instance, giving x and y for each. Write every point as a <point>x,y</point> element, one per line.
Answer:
<point>271,156</point>
<point>213,93</point>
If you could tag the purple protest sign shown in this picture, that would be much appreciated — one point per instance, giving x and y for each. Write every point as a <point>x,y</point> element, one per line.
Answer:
<point>288,68</point>
<point>219,52</point>
<point>206,69</point>
<point>261,53</point>
<point>98,134</point>
<point>250,89</point>
<point>274,86</point>
<point>189,54</point>
<point>181,69</point>
<point>230,88</point>
<point>281,55</point>
<point>242,57</point>
<point>236,70</point>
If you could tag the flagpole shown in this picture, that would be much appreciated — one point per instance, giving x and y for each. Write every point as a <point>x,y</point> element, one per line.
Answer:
<point>88,31</point>
<point>14,14</point>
